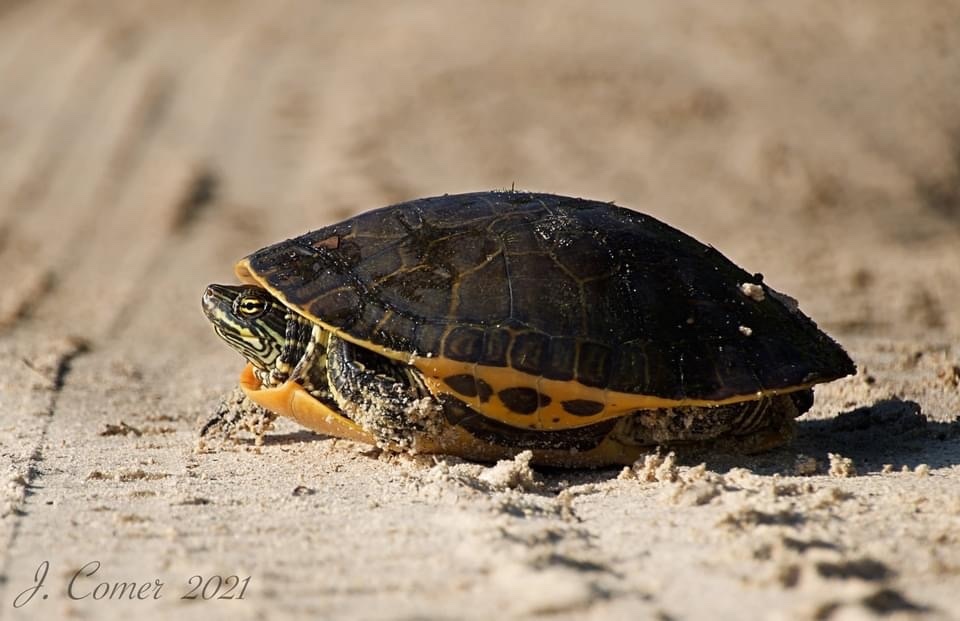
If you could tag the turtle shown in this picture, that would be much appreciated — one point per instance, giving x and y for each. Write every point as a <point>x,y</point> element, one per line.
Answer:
<point>485,324</point>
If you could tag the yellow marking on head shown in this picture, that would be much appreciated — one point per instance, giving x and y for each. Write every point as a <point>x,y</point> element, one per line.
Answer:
<point>251,306</point>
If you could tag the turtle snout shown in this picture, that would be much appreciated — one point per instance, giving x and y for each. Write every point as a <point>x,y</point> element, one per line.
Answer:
<point>211,301</point>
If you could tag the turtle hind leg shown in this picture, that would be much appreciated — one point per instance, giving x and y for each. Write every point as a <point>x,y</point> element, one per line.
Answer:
<point>750,426</point>
<point>768,426</point>
<point>754,416</point>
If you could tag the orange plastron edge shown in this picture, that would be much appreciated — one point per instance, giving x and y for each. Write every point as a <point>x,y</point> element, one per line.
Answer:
<point>290,399</point>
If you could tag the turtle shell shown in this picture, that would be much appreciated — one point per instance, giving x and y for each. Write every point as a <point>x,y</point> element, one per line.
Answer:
<point>548,312</point>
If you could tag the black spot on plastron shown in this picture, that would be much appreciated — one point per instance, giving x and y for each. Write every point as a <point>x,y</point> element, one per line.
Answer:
<point>469,386</point>
<point>582,407</point>
<point>463,384</point>
<point>495,432</point>
<point>523,400</point>
<point>464,344</point>
<point>484,390</point>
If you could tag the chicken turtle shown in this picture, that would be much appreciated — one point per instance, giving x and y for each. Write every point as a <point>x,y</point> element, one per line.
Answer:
<point>486,324</point>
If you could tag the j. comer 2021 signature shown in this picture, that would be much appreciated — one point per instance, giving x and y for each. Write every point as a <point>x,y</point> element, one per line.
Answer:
<point>84,586</point>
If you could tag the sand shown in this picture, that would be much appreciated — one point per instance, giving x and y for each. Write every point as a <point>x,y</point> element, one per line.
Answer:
<point>145,146</point>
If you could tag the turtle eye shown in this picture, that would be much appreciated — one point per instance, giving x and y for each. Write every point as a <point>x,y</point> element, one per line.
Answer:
<point>250,307</point>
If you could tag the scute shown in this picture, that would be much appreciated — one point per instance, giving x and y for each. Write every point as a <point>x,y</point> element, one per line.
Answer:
<point>550,286</point>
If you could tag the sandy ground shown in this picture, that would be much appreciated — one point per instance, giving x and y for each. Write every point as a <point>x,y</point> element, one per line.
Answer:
<point>145,146</point>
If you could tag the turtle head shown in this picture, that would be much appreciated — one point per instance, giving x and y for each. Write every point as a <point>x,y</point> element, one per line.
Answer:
<point>250,320</point>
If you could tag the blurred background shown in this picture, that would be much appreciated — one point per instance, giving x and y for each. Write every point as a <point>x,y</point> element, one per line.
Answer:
<point>147,145</point>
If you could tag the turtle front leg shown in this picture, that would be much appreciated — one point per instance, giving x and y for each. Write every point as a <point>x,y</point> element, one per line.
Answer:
<point>381,395</point>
